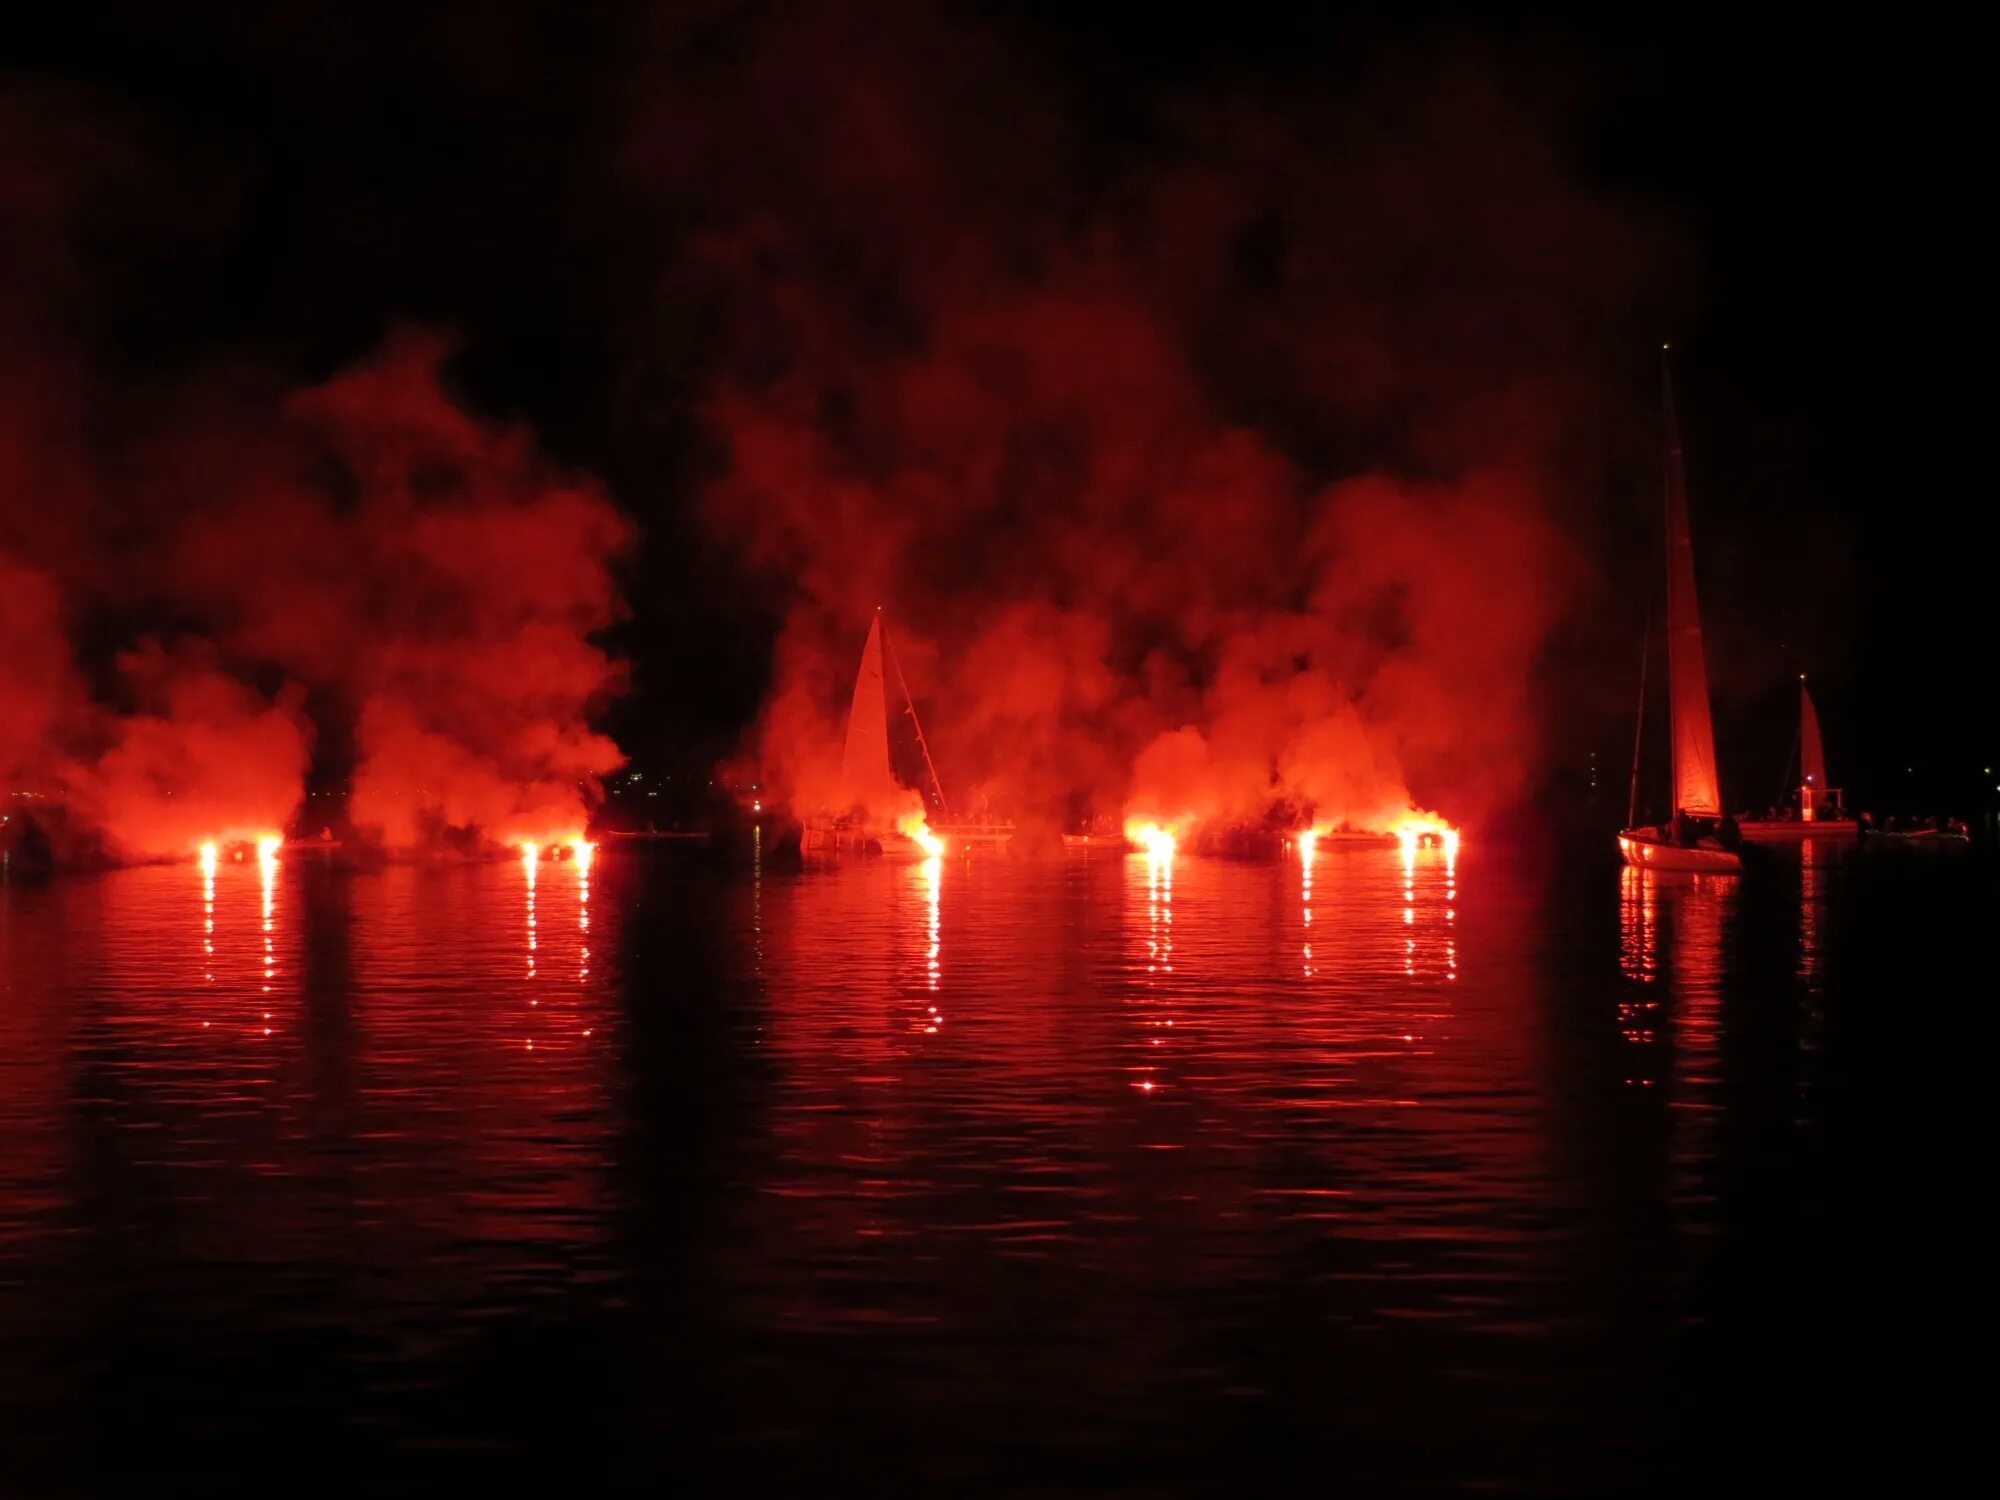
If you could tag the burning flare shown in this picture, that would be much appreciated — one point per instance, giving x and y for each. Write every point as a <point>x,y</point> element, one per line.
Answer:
<point>915,828</point>
<point>530,854</point>
<point>1427,832</point>
<point>1158,842</point>
<point>581,850</point>
<point>209,855</point>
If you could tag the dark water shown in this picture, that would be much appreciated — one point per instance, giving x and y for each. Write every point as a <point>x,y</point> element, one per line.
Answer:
<point>1088,1176</point>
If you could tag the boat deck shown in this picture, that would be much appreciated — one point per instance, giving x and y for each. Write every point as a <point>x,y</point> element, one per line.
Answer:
<point>1792,830</point>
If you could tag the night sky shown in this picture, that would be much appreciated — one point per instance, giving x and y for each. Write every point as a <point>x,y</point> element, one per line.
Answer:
<point>254,197</point>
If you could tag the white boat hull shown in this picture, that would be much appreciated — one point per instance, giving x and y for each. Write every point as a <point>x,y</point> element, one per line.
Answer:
<point>1647,852</point>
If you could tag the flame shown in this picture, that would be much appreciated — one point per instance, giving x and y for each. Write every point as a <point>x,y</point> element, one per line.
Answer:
<point>918,831</point>
<point>1426,832</point>
<point>530,853</point>
<point>1308,847</point>
<point>1158,842</point>
<point>581,850</point>
<point>209,855</point>
<point>268,845</point>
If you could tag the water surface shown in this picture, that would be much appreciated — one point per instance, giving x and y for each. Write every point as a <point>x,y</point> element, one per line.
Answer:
<point>1396,1175</point>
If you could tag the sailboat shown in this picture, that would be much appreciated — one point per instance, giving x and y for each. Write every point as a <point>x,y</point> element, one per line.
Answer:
<point>1693,838</point>
<point>878,813</point>
<point>1821,813</point>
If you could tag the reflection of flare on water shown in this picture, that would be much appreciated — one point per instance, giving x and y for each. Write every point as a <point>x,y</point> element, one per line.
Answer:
<point>267,876</point>
<point>933,877</point>
<point>1812,898</point>
<point>1446,841</point>
<point>1638,957</point>
<point>530,855</point>
<point>208,854</point>
<point>1638,924</point>
<point>1308,843</point>
<point>1160,911</point>
<point>1159,964</point>
<point>582,852</point>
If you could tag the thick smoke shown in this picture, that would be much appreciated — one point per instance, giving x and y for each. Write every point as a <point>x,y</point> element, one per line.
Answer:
<point>1215,451</point>
<point>444,581</point>
<point>182,577</point>
<point>1218,475</point>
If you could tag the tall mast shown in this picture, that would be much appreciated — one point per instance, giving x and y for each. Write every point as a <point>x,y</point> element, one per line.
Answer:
<point>1697,788</point>
<point>1639,725</point>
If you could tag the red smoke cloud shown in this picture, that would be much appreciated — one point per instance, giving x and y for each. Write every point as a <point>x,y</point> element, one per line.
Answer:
<point>446,586</point>
<point>201,757</point>
<point>427,578</point>
<point>1223,480</point>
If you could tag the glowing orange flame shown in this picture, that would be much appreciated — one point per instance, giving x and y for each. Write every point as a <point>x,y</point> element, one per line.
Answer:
<point>1420,832</point>
<point>914,828</point>
<point>1308,846</point>
<point>209,855</point>
<point>268,845</point>
<point>1158,842</point>
<point>530,853</point>
<point>582,850</point>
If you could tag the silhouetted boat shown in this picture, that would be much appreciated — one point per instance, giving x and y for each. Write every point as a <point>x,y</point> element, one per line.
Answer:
<point>1689,839</point>
<point>1919,838</point>
<point>1821,814</point>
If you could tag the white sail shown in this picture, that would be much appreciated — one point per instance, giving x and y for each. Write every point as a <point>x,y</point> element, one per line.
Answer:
<point>1697,787</point>
<point>1812,752</point>
<point>866,778</point>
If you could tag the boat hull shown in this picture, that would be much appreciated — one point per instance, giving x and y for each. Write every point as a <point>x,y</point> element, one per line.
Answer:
<point>861,842</point>
<point>1792,830</point>
<point>1649,853</point>
<point>974,833</point>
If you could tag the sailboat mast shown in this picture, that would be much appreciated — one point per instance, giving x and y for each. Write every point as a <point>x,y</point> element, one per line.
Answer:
<point>1639,725</point>
<point>910,707</point>
<point>1697,787</point>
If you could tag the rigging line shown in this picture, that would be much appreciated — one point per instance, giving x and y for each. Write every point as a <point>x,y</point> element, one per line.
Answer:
<point>1639,728</point>
<point>910,707</point>
<point>1785,775</point>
